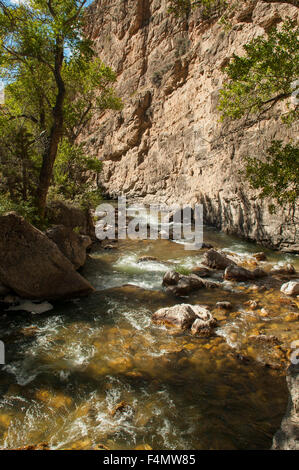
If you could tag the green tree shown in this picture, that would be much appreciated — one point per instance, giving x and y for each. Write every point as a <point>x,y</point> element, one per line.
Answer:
<point>53,77</point>
<point>257,82</point>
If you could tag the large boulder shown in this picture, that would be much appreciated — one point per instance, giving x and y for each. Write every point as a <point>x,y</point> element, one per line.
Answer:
<point>70,243</point>
<point>215,260</point>
<point>33,266</point>
<point>62,213</point>
<point>237,273</point>
<point>180,316</point>
<point>287,437</point>
<point>186,316</point>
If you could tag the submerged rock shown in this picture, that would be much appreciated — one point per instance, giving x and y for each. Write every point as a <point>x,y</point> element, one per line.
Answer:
<point>224,305</point>
<point>216,260</point>
<point>260,256</point>
<point>237,273</point>
<point>287,437</point>
<point>33,266</point>
<point>290,288</point>
<point>71,244</point>
<point>268,339</point>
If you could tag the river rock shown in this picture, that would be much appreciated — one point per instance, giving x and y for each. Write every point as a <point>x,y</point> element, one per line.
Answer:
<point>171,278</point>
<point>287,269</point>
<point>204,323</point>
<point>180,316</point>
<point>268,339</point>
<point>290,288</point>
<point>180,285</point>
<point>224,305</point>
<point>33,266</point>
<point>287,437</point>
<point>260,256</point>
<point>237,273</point>
<point>146,259</point>
<point>201,271</point>
<point>216,260</point>
<point>71,244</point>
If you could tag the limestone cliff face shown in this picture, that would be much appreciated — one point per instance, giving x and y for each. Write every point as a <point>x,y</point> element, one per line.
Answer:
<point>167,145</point>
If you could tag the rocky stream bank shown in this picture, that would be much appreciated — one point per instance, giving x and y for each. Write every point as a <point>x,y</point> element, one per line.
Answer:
<point>218,305</point>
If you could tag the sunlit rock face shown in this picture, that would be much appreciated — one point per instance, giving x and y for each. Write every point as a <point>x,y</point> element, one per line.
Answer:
<point>168,144</point>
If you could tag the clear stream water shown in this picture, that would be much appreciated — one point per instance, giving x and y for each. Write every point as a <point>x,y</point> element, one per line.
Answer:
<point>97,371</point>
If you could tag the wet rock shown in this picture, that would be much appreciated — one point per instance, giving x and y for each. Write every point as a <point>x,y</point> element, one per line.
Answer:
<point>260,256</point>
<point>224,305</point>
<point>205,322</point>
<point>171,278</point>
<point>201,271</point>
<point>287,269</point>
<point>264,312</point>
<point>209,284</point>
<point>287,437</point>
<point>120,408</point>
<point>42,446</point>
<point>100,447</point>
<point>29,331</point>
<point>145,259</point>
<point>109,247</point>
<point>71,244</point>
<point>180,285</point>
<point>206,246</point>
<point>186,285</point>
<point>269,339</point>
<point>180,316</point>
<point>290,288</point>
<point>216,260</point>
<point>237,273</point>
<point>252,304</point>
<point>33,266</point>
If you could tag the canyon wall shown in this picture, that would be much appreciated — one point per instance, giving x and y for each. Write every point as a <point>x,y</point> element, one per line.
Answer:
<point>168,144</point>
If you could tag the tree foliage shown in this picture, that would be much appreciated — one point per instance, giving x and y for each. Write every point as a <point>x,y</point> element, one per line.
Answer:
<point>277,176</point>
<point>264,76</point>
<point>267,75</point>
<point>54,84</point>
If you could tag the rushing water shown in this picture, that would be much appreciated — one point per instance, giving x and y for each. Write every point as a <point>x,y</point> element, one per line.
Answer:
<point>97,371</point>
